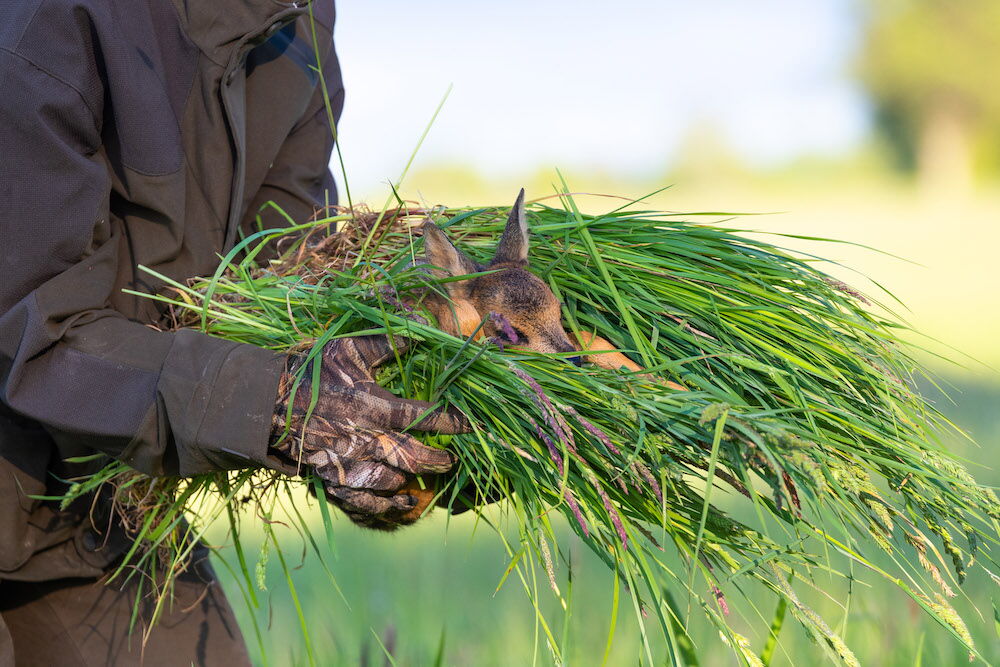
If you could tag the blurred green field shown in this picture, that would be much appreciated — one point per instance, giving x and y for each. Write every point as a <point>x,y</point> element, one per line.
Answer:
<point>428,593</point>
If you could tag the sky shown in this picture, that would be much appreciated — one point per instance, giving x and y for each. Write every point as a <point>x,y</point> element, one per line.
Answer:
<point>614,87</point>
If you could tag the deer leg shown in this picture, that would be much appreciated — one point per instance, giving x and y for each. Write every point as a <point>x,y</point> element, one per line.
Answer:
<point>610,357</point>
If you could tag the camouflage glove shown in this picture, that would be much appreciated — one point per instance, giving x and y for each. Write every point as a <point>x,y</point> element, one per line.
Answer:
<point>352,439</point>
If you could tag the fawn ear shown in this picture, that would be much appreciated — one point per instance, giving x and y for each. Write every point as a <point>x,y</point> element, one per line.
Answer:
<point>513,245</point>
<point>445,259</point>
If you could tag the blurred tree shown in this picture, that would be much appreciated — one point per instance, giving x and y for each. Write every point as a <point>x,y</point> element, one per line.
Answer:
<point>932,68</point>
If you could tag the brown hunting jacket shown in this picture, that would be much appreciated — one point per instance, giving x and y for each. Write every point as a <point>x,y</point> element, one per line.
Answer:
<point>139,132</point>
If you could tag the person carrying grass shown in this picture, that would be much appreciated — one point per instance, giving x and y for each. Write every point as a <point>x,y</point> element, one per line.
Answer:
<point>153,133</point>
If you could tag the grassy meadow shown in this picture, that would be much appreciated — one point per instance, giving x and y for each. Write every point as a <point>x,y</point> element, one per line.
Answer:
<point>428,594</point>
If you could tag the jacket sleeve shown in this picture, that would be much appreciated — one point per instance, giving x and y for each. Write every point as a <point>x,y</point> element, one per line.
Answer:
<point>299,180</point>
<point>166,403</point>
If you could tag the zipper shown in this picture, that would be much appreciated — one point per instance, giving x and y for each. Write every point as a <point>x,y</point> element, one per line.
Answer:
<point>233,93</point>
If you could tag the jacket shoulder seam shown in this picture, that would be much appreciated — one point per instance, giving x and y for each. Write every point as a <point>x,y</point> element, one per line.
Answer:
<point>55,77</point>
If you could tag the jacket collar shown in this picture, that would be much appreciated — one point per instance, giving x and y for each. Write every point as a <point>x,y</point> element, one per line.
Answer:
<point>219,26</point>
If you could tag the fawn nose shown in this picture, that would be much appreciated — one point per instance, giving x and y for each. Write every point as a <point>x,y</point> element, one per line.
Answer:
<point>576,361</point>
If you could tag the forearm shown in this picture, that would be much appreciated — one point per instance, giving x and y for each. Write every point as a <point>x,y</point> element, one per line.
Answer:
<point>165,403</point>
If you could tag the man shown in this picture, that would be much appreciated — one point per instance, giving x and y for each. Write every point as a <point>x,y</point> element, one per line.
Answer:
<point>152,132</point>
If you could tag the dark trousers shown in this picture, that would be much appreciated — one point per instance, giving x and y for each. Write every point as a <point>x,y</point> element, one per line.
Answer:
<point>84,623</point>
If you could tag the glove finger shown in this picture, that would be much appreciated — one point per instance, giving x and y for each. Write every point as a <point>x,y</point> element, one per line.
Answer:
<point>383,410</point>
<point>365,503</point>
<point>358,468</point>
<point>364,353</point>
<point>373,476</point>
<point>408,454</point>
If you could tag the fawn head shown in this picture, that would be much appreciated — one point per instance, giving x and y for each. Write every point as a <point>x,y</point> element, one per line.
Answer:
<point>531,316</point>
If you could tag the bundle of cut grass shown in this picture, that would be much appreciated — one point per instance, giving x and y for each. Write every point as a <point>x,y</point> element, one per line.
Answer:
<point>798,415</point>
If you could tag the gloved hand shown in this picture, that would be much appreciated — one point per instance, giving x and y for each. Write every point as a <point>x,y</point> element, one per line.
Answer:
<point>352,439</point>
